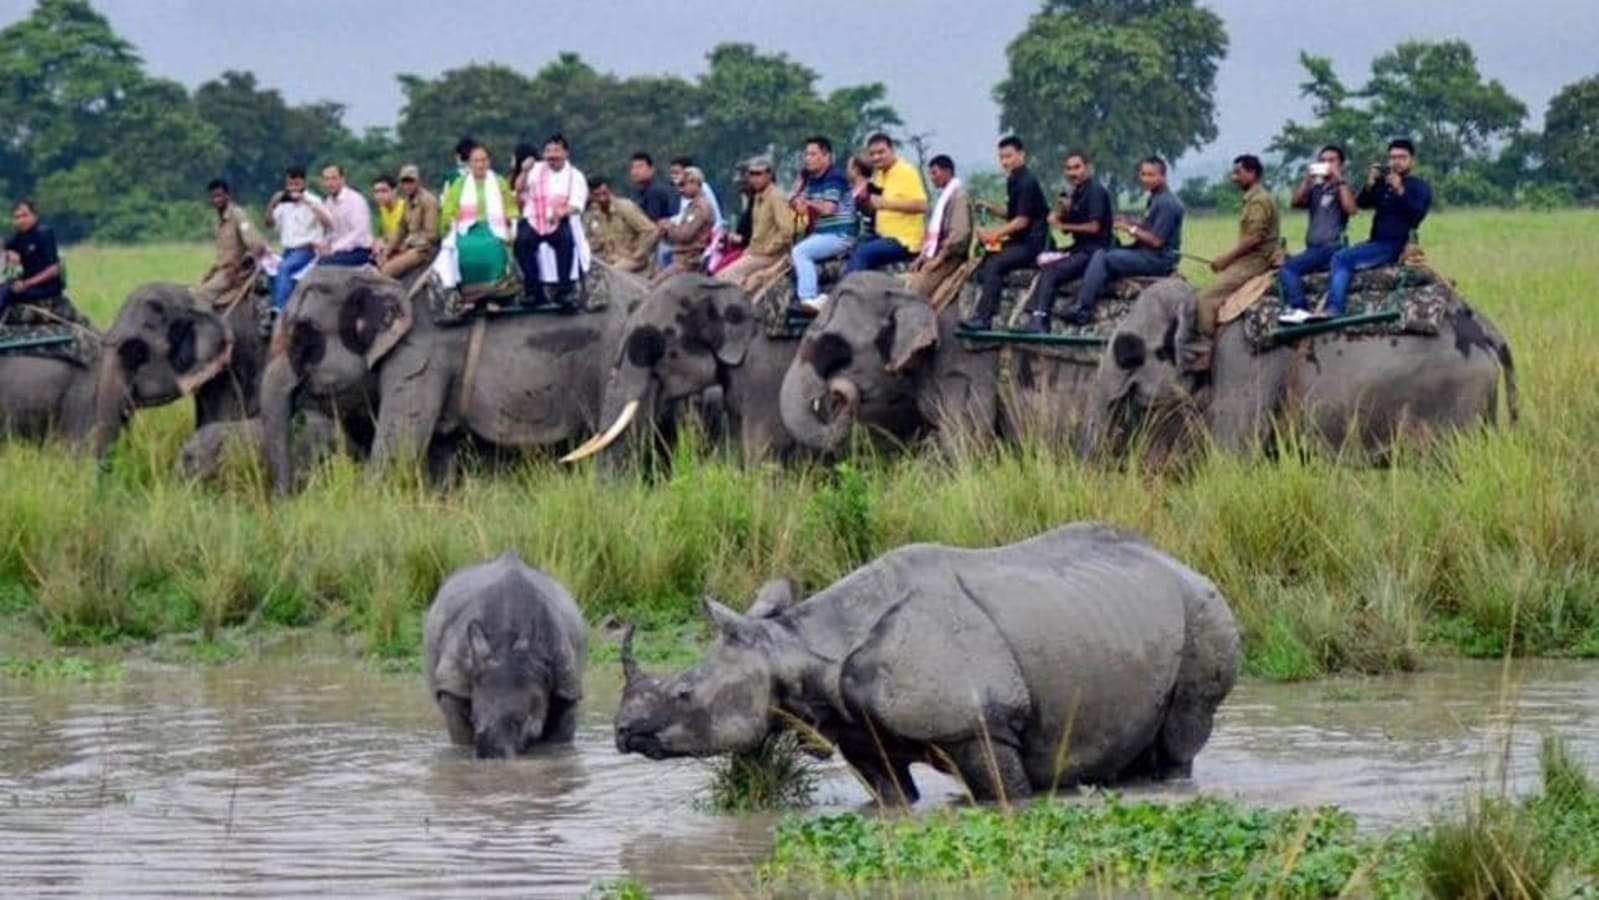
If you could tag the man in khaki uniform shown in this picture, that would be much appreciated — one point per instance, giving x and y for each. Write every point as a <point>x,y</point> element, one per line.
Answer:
<point>417,241</point>
<point>690,234</point>
<point>947,245</point>
<point>618,231</point>
<point>774,226</point>
<point>238,246</point>
<point>1254,255</point>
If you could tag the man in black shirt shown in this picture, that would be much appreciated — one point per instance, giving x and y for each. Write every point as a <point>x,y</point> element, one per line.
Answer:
<point>1157,242</point>
<point>33,248</point>
<point>1089,217</point>
<point>1020,239</point>
<point>651,196</point>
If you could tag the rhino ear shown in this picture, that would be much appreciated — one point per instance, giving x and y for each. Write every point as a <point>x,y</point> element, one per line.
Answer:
<point>477,643</point>
<point>727,621</point>
<point>774,597</point>
<point>522,644</point>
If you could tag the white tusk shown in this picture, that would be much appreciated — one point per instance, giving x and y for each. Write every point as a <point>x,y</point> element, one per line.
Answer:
<point>600,442</point>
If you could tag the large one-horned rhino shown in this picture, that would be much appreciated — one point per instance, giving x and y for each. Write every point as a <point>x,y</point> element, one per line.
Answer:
<point>504,646</point>
<point>1083,655</point>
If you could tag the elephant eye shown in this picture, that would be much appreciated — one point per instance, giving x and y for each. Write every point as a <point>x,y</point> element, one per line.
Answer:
<point>684,695</point>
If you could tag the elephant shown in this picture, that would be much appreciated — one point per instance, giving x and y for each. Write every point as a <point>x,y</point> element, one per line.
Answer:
<point>365,349</point>
<point>159,348</point>
<point>1084,655</point>
<point>693,336</point>
<point>206,451</point>
<point>879,356</point>
<point>1347,390</point>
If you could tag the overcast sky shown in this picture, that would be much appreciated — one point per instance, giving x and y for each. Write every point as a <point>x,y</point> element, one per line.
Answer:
<point>939,58</point>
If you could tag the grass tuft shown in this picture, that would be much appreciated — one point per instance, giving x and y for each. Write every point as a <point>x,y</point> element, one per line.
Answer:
<point>776,775</point>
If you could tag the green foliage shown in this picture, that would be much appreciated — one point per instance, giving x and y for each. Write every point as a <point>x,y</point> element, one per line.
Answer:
<point>775,775</point>
<point>1544,845</point>
<point>1571,139</point>
<point>1205,847</point>
<point>60,668</point>
<point>1119,79</point>
<point>79,116</point>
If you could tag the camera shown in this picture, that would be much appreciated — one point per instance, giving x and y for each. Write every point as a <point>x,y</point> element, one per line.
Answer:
<point>876,190</point>
<point>1318,171</point>
<point>1382,169</point>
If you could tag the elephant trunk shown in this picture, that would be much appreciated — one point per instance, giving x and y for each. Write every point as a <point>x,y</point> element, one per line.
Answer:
<point>112,401</point>
<point>277,395</point>
<point>820,414</point>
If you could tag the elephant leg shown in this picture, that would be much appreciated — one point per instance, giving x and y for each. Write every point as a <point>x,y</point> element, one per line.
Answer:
<point>993,770</point>
<point>407,418</point>
<point>457,717</point>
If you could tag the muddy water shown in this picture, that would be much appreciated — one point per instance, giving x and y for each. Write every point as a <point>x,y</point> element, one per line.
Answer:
<point>327,778</point>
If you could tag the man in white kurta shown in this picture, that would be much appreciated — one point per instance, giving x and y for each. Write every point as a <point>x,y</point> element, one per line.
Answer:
<point>550,245</point>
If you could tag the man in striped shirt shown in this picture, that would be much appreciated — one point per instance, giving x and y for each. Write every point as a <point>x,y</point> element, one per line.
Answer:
<point>824,198</point>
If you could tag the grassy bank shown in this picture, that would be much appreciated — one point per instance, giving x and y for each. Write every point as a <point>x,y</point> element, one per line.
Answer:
<point>1540,846</point>
<point>1491,544</point>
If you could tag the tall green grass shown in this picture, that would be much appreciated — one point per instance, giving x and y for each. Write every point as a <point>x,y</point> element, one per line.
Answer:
<point>1329,567</point>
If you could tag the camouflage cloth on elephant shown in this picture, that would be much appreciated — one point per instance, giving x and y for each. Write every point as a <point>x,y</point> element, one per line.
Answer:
<point>448,306</point>
<point>1108,312</point>
<point>1418,294</point>
<point>773,301</point>
<point>52,328</point>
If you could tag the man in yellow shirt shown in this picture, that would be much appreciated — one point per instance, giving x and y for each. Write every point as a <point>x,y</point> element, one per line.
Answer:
<point>391,212</point>
<point>899,200</point>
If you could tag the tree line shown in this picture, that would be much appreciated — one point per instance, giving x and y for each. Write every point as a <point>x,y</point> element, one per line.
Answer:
<point>112,152</point>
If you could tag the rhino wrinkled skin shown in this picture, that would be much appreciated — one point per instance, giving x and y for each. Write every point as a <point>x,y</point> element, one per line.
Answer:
<point>504,646</point>
<point>1081,656</point>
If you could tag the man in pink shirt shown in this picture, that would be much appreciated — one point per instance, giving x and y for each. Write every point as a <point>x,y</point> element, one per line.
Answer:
<point>348,221</point>
<point>552,193</point>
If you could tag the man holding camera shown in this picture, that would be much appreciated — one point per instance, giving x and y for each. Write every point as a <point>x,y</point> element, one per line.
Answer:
<point>1330,201</point>
<point>898,198</point>
<point>1400,201</point>
<point>301,223</point>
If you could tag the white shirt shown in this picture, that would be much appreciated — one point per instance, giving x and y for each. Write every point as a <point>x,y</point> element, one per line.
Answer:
<point>297,227</point>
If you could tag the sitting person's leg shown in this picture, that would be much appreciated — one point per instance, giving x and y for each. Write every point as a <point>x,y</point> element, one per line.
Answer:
<point>404,263</point>
<point>876,254</point>
<point>1051,279</point>
<point>1348,261</point>
<point>992,275</point>
<point>1296,267</point>
<point>806,254</point>
<point>1102,267</point>
<point>526,250</point>
<point>356,256</point>
<point>565,247</point>
<point>293,263</point>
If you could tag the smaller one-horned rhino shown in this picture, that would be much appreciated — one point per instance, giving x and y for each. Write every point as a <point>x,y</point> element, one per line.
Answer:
<point>1082,656</point>
<point>504,646</point>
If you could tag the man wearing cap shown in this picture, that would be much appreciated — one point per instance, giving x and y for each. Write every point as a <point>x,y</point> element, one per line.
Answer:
<point>690,232</point>
<point>238,246</point>
<point>618,231</point>
<point>417,240</point>
<point>773,225</point>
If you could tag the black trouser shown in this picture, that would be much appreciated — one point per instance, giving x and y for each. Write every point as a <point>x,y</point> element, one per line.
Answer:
<point>993,271</point>
<point>1056,275</point>
<point>527,247</point>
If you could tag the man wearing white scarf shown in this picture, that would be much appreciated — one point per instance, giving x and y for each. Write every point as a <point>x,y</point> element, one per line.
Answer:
<point>551,247</point>
<point>949,230</point>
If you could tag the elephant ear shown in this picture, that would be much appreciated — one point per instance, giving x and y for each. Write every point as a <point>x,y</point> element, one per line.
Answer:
<point>738,322</point>
<point>915,328</point>
<point>373,318</point>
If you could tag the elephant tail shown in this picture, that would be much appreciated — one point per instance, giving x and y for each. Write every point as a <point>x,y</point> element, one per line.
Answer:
<point>1507,366</point>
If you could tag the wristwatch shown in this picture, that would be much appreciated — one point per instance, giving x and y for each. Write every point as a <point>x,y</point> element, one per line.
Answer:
<point>1132,230</point>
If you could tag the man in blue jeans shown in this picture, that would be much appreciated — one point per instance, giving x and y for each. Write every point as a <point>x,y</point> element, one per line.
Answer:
<point>294,212</point>
<point>1330,202</point>
<point>824,199</point>
<point>1157,242</point>
<point>1400,201</point>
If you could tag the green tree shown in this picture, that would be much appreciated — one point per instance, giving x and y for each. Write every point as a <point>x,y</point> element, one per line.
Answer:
<point>1467,130</point>
<point>1118,78</point>
<point>263,135</point>
<point>492,102</point>
<point>1570,145</point>
<point>97,141</point>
